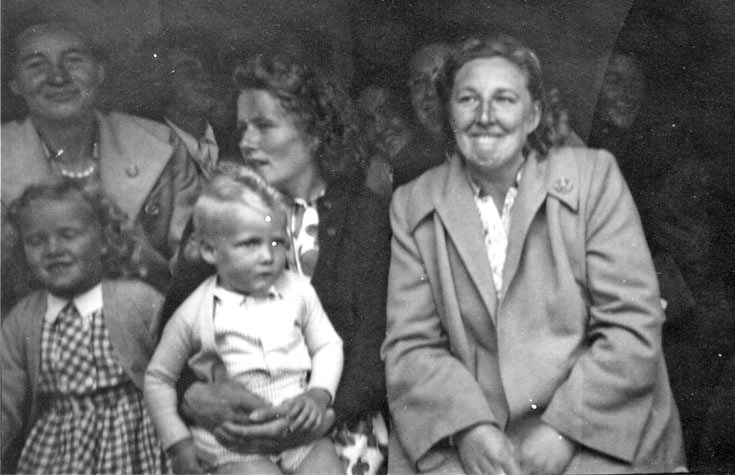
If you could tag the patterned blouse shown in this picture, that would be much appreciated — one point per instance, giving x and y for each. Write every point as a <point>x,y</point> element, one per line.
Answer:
<point>497,227</point>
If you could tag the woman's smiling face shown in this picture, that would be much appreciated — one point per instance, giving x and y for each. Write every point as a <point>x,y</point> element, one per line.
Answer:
<point>492,114</point>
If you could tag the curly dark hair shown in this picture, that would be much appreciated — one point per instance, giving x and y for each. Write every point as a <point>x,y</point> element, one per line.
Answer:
<point>322,108</point>
<point>550,130</point>
<point>117,261</point>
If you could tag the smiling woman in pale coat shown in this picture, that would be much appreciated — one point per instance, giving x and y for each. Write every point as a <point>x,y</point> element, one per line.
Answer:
<point>524,318</point>
<point>138,163</point>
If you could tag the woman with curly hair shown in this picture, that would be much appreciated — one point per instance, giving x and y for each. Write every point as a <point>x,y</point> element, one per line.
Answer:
<point>74,352</point>
<point>299,131</point>
<point>524,317</point>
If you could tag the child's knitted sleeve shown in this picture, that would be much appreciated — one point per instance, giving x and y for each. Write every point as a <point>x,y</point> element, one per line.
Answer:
<point>159,388</point>
<point>324,344</point>
<point>16,387</point>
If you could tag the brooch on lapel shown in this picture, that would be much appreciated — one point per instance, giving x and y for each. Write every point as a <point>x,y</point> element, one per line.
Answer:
<point>563,185</point>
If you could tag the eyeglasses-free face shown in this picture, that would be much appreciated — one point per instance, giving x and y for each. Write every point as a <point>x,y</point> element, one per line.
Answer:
<point>56,73</point>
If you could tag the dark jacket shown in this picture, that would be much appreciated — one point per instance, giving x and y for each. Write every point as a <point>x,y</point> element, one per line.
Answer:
<point>350,279</point>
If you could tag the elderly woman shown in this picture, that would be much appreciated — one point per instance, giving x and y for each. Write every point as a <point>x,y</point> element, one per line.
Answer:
<point>138,163</point>
<point>524,319</point>
<point>300,132</point>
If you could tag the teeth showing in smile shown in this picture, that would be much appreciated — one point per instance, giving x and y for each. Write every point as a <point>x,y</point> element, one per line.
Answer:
<point>485,138</point>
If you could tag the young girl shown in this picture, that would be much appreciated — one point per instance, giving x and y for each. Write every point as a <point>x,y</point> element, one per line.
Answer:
<point>254,323</point>
<point>74,353</point>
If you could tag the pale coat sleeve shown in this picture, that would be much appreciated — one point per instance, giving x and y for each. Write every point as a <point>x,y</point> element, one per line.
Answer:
<point>323,342</point>
<point>16,387</point>
<point>159,387</point>
<point>431,393</point>
<point>606,400</point>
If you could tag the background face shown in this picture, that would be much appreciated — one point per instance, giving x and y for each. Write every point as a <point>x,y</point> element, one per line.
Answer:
<point>492,113</point>
<point>248,248</point>
<point>191,84</point>
<point>622,91</point>
<point>422,87</point>
<point>271,141</point>
<point>63,245</point>
<point>56,74</point>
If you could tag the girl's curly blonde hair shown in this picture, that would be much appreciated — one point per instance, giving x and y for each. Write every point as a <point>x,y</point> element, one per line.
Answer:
<point>117,260</point>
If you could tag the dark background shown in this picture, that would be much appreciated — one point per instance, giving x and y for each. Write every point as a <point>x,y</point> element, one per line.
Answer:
<point>689,42</point>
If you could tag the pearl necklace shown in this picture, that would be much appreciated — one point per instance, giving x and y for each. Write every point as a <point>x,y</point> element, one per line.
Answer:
<point>86,173</point>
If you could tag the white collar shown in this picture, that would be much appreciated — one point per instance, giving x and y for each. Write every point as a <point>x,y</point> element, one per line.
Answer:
<point>477,190</point>
<point>236,298</point>
<point>86,303</point>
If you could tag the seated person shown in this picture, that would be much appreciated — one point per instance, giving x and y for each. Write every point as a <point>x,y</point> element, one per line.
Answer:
<point>299,130</point>
<point>427,147</point>
<point>670,183</point>
<point>387,132</point>
<point>139,164</point>
<point>182,62</point>
<point>523,316</point>
<point>254,323</point>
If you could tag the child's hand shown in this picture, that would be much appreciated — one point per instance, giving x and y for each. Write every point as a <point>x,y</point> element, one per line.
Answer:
<point>183,457</point>
<point>307,409</point>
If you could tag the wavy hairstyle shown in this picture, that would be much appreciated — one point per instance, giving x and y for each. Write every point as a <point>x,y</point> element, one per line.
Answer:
<point>118,260</point>
<point>551,130</point>
<point>322,108</point>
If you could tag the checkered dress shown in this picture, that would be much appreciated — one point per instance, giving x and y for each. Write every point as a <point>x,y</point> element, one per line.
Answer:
<point>95,421</point>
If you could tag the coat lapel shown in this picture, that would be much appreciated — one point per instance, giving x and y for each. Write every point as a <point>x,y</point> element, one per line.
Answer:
<point>24,160</point>
<point>131,161</point>
<point>456,208</point>
<point>550,176</point>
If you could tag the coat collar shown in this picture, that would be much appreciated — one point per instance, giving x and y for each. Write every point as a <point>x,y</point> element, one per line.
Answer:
<point>131,160</point>
<point>555,176</point>
<point>455,206</point>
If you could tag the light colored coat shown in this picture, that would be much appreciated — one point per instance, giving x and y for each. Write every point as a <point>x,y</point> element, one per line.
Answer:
<point>575,342</point>
<point>130,309</point>
<point>144,169</point>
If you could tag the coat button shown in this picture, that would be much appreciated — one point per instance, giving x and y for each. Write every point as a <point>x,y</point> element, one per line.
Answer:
<point>132,171</point>
<point>331,231</point>
<point>152,209</point>
<point>327,204</point>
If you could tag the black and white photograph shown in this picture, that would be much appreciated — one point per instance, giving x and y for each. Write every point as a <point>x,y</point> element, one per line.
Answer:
<point>367,237</point>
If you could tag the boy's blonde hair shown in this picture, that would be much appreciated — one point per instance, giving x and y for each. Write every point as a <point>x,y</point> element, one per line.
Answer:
<point>231,183</point>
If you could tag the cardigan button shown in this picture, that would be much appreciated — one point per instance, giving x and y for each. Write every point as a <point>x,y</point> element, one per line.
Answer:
<point>152,209</point>
<point>331,231</point>
<point>327,204</point>
<point>132,171</point>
